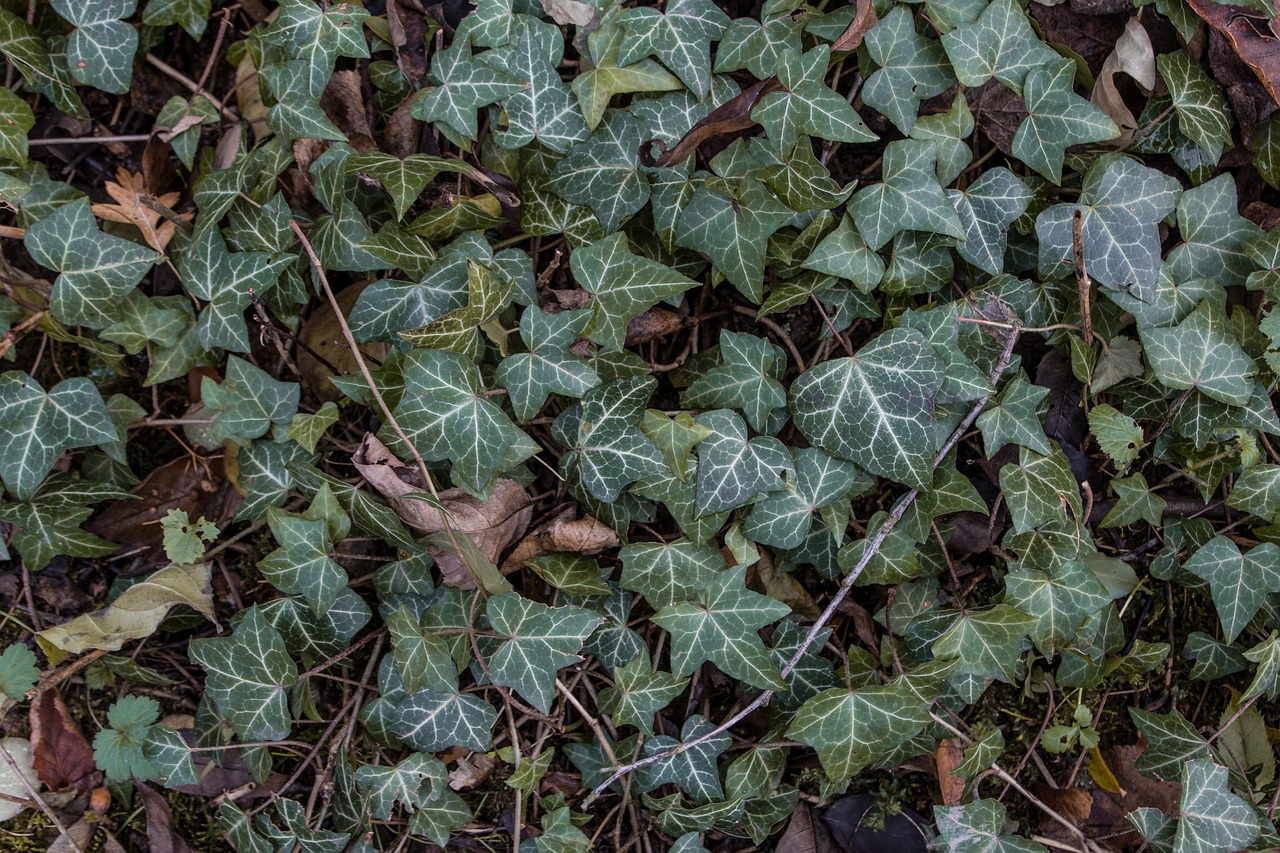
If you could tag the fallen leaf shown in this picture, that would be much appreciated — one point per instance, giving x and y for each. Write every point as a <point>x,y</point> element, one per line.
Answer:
<point>783,586</point>
<point>1134,56</point>
<point>1101,774</point>
<point>491,524</point>
<point>730,117</point>
<point>565,533</point>
<point>1074,804</point>
<point>1251,37</point>
<point>863,19</point>
<point>161,835</point>
<point>946,759</point>
<point>128,191</point>
<point>569,12</point>
<point>11,776</point>
<point>136,613</point>
<point>471,770</point>
<point>60,754</point>
<point>77,838</point>
<point>805,835</point>
<point>326,349</point>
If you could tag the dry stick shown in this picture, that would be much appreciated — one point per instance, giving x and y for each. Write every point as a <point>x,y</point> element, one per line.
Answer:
<point>169,71</point>
<point>377,394</point>
<point>873,547</point>
<point>86,140</point>
<point>1083,284</point>
<point>37,799</point>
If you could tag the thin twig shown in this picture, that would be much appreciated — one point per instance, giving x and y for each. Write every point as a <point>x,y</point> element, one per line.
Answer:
<point>1083,284</point>
<point>169,71</point>
<point>873,547</point>
<point>37,799</point>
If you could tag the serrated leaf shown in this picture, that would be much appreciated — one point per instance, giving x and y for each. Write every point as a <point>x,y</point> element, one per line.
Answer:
<point>1121,209</point>
<point>874,408</point>
<point>1117,434</point>
<point>609,451</point>
<point>1057,118</point>
<point>118,750</point>
<point>101,47</point>
<point>912,68</point>
<point>1000,44</point>
<point>184,540</point>
<point>852,729</point>
<point>249,673</point>
<point>18,671</point>
<point>1239,582</point>
<point>37,426</point>
<point>733,231</point>
<point>638,693</point>
<point>1210,816</point>
<point>623,285</point>
<point>909,198</point>
<point>96,270</point>
<point>1200,353</point>
<point>721,628</point>
<point>1202,112</point>
<point>537,642</point>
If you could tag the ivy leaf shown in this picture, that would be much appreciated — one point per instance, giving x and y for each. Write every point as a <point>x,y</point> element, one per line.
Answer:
<point>430,721</point>
<point>404,179</point>
<point>638,693</point>
<point>721,628</point>
<point>1174,742</point>
<point>544,108</point>
<point>1257,491</point>
<point>415,781</point>
<point>1200,353</point>
<point>225,279</point>
<point>19,671</point>
<point>1134,501</point>
<point>191,15</point>
<point>297,113</point>
<point>875,408</point>
<point>733,230</point>
<point>446,417</point>
<point>421,657</point>
<point>757,46</point>
<point>1000,44</point>
<point>184,540</point>
<point>1239,583</point>
<point>668,573</point>
<point>782,518</point>
<point>23,47</point>
<point>852,729</point>
<point>1015,419</point>
<point>37,426</point>
<point>465,85</point>
<point>1121,208</point>
<point>548,366</point>
<point>747,378</point>
<point>1210,817</point>
<point>1266,679</point>
<point>16,121</point>
<point>909,198</point>
<point>1040,489</point>
<point>733,469</point>
<point>248,401</point>
<point>912,68</point>
<point>303,564</point>
<point>680,36</point>
<point>978,827</point>
<point>609,76</point>
<point>101,47</point>
<point>1117,434</point>
<point>49,523</point>
<point>97,270</point>
<point>986,643</point>
<point>623,285</point>
<point>1057,118</point>
<point>249,673</point>
<point>603,172</point>
<point>986,210</point>
<point>539,641</point>
<point>1059,600</point>
<point>693,769</point>
<point>118,749</point>
<point>609,451</point>
<point>806,105</point>
<point>1202,111</point>
<point>1216,236</point>
<point>675,437</point>
<point>844,253</point>
<point>462,330</point>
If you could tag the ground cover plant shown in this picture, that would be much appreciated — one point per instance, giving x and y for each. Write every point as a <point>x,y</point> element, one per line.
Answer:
<point>557,425</point>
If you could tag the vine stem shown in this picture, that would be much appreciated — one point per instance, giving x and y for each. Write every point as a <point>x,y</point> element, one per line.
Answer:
<point>873,547</point>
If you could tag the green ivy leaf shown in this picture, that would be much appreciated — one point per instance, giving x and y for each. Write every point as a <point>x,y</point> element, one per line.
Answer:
<point>465,85</point>
<point>1266,678</point>
<point>986,643</point>
<point>1015,418</point>
<point>875,408</point>
<point>185,541</point>
<point>623,285</point>
<point>909,199</point>
<point>638,693</point>
<point>1000,44</point>
<point>1202,112</point>
<point>249,673</point>
<point>1200,353</point>
<point>747,378</point>
<point>1210,816</point>
<point>543,108</point>
<point>101,47</point>
<point>1057,118</point>
<point>806,105</point>
<point>609,75</point>
<point>430,721</point>
<point>1257,491</point>
<point>852,729</point>
<point>1134,501</point>
<point>692,769</point>
<point>603,172</point>
<point>36,426</point>
<point>49,523</point>
<point>732,228</point>
<point>1040,489</point>
<point>404,179</point>
<point>191,15</point>
<point>669,573</point>
<point>1059,600</point>
<point>415,781</point>
<point>1173,743</point>
<point>912,68</point>
<point>225,280</point>
<point>986,210</point>
<point>1216,236</point>
<point>675,437</point>
<point>96,270</point>
<point>1239,582</point>
<point>680,36</point>
<point>733,469</point>
<point>548,366</point>
<point>609,452</point>
<point>758,46</point>
<point>248,401</point>
<point>721,628</point>
<point>783,518</point>
<point>978,827</point>
<point>538,642</point>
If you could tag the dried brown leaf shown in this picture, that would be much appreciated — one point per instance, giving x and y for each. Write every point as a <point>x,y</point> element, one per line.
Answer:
<point>730,117</point>
<point>127,191</point>
<point>161,835</point>
<point>59,752</point>
<point>946,759</point>
<point>565,533</point>
<point>1251,36</point>
<point>863,20</point>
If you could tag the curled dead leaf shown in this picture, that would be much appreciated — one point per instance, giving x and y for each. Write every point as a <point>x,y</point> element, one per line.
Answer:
<point>863,20</point>
<point>946,759</point>
<point>1134,56</point>
<point>491,524</point>
<point>565,533</point>
<point>1251,35</point>
<point>730,117</point>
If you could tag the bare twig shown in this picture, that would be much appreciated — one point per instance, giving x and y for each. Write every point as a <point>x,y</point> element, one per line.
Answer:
<point>1083,284</point>
<point>874,545</point>
<point>37,799</point>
